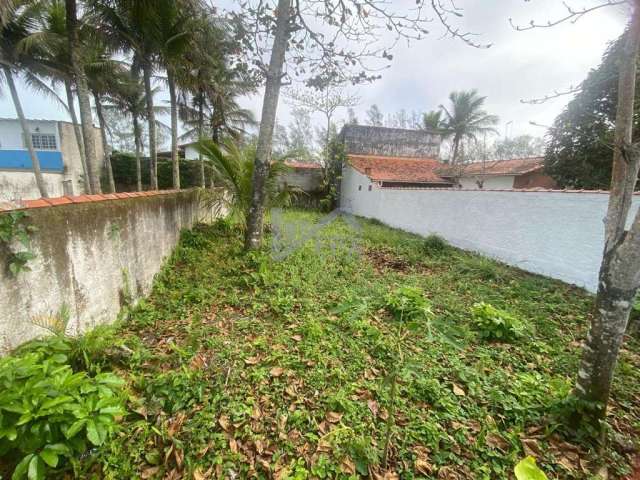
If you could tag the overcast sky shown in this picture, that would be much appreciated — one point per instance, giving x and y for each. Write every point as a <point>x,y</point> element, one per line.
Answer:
<point>519,65</point>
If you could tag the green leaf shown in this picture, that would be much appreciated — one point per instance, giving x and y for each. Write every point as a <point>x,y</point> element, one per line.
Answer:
<point>96,433</point>
<point>109,379</point>
<point>528,470</point>
<point>36,469</point>
<point>10,433</point>
<point>50,457</point>
<point>75,428</point>
<point>21,469</point>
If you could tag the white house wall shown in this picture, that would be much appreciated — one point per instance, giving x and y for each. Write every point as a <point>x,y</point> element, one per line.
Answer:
<point>11,133</point>
<point>556,234</point>
<point>191,153</point>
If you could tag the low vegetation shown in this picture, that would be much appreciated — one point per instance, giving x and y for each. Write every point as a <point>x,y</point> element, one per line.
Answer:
<point>238,365</point>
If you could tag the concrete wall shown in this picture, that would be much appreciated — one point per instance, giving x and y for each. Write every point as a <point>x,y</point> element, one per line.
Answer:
<point>11,133</point>
<point>307,179</point>
<point>71,155</point>
<point>393,142</point>
<point>89,254</point>
<point>22,184</point>
<point>557,234</point>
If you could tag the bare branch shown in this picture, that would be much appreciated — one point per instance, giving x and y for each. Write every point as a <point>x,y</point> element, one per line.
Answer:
<point>556,94</point>
<point>442,13</point>
<point>573,15</point>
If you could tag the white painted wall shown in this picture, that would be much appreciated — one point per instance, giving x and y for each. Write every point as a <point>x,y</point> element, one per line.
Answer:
<point>502,182</point>
<point>11,133</point>
<point>191,153</point>
<point>560,235</point>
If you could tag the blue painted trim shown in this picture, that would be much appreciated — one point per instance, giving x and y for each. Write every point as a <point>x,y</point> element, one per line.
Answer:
<point>21,160</point>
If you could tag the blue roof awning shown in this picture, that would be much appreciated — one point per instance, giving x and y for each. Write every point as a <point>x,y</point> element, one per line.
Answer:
<point>21,160</point>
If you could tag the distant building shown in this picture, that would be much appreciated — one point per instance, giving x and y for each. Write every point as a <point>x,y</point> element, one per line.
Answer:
<point>383,157</point>
<point>57,151</point>
<point>516,173</point>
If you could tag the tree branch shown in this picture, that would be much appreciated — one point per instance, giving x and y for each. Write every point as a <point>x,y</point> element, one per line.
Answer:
<point>573,15</point>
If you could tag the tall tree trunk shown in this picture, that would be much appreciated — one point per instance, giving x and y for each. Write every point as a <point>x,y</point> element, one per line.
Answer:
<point>175,161</point>
<point>456,147</point>
<point>138,141</point>
<point>83,98</point>
<point>200,132</point>
<point>105,143</point>
<point>620,270</point>
<point>76,132</point>
<point>25,131</point>
<point>151,118</point>
<point>255,220</point>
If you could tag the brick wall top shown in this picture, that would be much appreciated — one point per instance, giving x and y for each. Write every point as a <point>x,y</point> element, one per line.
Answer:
<point>53,202</point>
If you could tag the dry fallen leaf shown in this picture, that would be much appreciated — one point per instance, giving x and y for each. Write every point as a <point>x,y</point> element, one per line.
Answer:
<point>276,371</point>
<point>252,360</point>
<point>224,422</point>
<point>334,417</point>
<point>347,466</point>
<point>373,407</point>
<point>297,338</point>
<point>149,472</point>
<point>458,391</point>
<point>531,447</point>
<point>496,441</point>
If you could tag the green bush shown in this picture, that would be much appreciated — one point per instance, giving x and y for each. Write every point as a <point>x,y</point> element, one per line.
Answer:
<point>48,413</point>
<point>435,245</point>
<point>124,172</point>
<point>408,304</point>
<point>496,324</point>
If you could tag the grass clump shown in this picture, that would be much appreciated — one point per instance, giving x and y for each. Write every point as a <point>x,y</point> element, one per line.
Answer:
<point>435,245</point>
<point>495,324</point>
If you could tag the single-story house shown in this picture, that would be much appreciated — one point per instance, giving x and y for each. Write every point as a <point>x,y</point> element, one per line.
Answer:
<point>307,176</point>
<point>57,150</point>
<point>515,173</point>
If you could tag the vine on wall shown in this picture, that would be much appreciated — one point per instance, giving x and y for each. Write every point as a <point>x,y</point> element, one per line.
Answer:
<point>14,231</point>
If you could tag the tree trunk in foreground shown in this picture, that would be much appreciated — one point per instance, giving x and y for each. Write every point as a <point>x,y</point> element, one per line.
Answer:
<point>151,118</point>
<point>620,270</point>
<point>86,118</point>
<point>76,132</point>
<point>175,161</point>
<point>105,143</point>
<point>137,134</point>
<point>200,131</point>
<point>255,220</point>
<point>25,131</point>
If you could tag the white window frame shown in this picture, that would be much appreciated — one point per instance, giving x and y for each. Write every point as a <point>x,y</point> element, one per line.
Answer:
<point>44,141</point>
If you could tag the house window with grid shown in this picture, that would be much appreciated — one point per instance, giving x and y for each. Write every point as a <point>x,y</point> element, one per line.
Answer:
<point>44,141</point>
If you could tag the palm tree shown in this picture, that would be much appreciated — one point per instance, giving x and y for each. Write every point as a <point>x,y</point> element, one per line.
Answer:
<point>48,46</point>
<point>82,89</point>
<point>132,26</point>
<point>465,119</point>
<point>174,39</point>
<point>233,172</point>
<point>15,22</point>
<point>432,120</point>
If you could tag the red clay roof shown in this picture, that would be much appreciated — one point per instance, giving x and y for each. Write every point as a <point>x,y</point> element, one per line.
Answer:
<point>297,164</point>
<point>397,169</point>
<point>514,166</point>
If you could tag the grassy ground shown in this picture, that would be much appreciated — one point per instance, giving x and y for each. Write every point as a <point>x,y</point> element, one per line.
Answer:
<point>244,366</point>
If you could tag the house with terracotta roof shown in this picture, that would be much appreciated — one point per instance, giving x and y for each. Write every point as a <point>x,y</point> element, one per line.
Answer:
<point>515,173</point>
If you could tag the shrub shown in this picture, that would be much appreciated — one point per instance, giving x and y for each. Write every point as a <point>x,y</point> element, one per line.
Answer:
<point>408,303</point>
<point>435,245</point>
<point>48,412</point>
<point>496,324</point>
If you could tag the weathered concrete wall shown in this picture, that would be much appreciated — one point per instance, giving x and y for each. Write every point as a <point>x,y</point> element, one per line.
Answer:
<point>557,234</point>
<point>89,256</point>
<point>71,156</point>
<point>22,184</point>
<point>393,142</point>
<point>490,183</point>
<point>306,179</point>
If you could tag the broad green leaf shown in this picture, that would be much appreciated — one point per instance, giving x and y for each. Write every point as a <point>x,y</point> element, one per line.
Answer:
<point>528,470</point>
<point>96,433</point>
<point>36,469</point>
<point>50,457</point>
<point>10,433</point>
<point>75,428</point>
<point>22,467</point>
<point>109,379</point>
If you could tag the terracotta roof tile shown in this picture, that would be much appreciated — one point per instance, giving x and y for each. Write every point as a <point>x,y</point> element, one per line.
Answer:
<point>302,165</point>
<point>398,169</point>
<point>514,166</point>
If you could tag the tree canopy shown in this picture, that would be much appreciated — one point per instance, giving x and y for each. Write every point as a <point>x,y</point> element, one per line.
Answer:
<point>579,147</point>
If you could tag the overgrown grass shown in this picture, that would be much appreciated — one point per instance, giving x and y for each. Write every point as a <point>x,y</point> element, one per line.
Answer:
<point>244,366</point>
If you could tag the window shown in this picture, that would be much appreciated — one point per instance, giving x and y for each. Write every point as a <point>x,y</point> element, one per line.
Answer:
<point>43,141</point>
<point>369,187</point>
<point>359,187</point>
